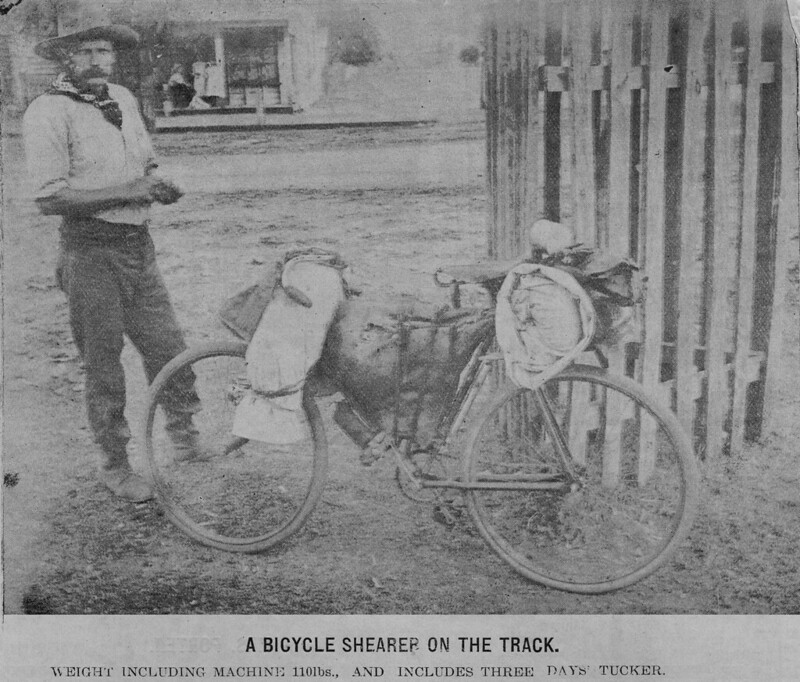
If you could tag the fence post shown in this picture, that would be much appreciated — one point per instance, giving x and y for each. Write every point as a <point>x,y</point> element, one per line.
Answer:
<point>788,211</point>
<point>747,242</point>
<point>580,94</point>
<point>725,228</point>
<point>654,221</point>
<point>623,78</point>
<point>693,216</point>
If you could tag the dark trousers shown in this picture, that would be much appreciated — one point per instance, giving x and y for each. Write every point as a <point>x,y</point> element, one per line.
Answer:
<point>114,288</point>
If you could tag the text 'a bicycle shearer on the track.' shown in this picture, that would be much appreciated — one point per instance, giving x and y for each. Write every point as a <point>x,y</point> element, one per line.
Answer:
<point>400,644</point>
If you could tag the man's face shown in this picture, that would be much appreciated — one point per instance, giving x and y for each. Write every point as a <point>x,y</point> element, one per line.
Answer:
<point>91,62</point>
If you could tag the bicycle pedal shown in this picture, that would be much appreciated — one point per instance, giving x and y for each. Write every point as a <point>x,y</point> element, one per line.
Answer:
<point>367,458</point>
<point>445,515</point>
<point>374,450</point>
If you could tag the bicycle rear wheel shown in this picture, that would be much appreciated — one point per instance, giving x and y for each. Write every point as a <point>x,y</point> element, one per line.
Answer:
<point>612,482</point>
<point>244,496</point>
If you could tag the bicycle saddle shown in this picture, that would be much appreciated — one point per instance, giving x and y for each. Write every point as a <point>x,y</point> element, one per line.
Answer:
<point>475,273</point>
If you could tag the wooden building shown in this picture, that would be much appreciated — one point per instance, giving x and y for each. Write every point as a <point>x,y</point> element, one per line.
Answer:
<point>270,54</point>
<point>265,55</point>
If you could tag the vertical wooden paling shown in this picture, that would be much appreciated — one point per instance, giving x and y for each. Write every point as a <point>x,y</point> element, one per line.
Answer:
<point>503,151</point>
<point>602,120</point>
<point>509,417</point>
<point>496,104</point>
<point>637,249</point>
<point>493,99</point>
<point>654,228</point>
<point>519,100</point>
<point>514,121</point>
<point>582,129</point>
<point>747,248</point>
<point>512,135</point>
<point>490,77</point>
<point>580,422</point>
<point>541,62</point>
<point>619,15</point>
<point>534,138</point>
<point>788,210</point>
<point>577,167</point>
<point>690,292</point>
<point>723,261</point>
<point>575,38</point>
<point>525,114</point>
<point>569,34</point>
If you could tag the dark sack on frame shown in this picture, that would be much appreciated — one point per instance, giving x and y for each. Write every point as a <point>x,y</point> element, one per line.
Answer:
<point>613,284</point>
<point>400,371</point>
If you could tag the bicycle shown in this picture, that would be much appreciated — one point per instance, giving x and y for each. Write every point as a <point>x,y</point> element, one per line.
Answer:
<point>586,484</point>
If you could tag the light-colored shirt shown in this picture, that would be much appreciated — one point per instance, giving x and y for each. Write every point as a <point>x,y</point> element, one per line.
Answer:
<point>69,144</point>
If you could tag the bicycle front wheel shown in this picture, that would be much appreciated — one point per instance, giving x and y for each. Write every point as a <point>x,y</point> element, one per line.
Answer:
<point>586,485</point>
<point>241,496</point>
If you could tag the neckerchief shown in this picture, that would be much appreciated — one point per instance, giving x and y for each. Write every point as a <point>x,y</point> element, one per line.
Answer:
<point>99,99</point>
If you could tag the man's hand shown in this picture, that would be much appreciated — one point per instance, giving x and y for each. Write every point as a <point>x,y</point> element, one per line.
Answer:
<point>162,190</point>
<point>87,202</point>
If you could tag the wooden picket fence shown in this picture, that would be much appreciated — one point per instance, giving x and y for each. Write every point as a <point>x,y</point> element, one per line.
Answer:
<point>665,131</point>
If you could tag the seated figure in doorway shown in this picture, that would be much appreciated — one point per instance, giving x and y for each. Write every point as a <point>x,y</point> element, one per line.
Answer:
<point>180,91</point>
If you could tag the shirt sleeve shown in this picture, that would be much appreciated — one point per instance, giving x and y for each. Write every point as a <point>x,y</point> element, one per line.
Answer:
<point>46,139</point>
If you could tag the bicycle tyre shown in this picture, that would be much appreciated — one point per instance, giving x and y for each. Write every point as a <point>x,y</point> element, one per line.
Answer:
<point>250,499</point>
<point>632,512</point>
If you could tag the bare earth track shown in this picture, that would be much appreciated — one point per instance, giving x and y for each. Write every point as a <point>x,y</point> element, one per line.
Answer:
<point>396,203</point>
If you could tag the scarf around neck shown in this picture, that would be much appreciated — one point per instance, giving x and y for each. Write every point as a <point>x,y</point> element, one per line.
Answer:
<point>99,99</point>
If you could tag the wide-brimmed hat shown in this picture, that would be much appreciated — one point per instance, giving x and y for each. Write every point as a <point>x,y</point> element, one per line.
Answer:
<point>85,23</point>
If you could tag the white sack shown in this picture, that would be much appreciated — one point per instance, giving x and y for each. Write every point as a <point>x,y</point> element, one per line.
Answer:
<point>285,346</point>
<point>543,321</point>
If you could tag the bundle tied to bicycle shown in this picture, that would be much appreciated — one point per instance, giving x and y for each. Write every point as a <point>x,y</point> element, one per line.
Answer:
<point>398,368</point>
<point>292,314</point>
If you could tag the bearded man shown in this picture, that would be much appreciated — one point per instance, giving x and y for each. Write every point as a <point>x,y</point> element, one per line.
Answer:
<point>90,161</point>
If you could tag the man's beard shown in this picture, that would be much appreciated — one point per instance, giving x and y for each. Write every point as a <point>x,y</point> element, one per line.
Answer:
<point>81,80</point>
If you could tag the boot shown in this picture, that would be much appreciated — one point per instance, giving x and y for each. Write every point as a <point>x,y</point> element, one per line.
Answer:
<point>185,439</point>
<point>116,474</point>
<point>126,485</point>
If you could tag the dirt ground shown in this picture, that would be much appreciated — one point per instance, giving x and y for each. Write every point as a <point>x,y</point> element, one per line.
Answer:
<point>71,548</point>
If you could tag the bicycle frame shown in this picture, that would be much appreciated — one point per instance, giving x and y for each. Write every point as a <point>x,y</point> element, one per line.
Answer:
<point>474,377</point>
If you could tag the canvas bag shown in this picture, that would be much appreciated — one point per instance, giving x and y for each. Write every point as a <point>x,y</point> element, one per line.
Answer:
<point>543,320</point>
